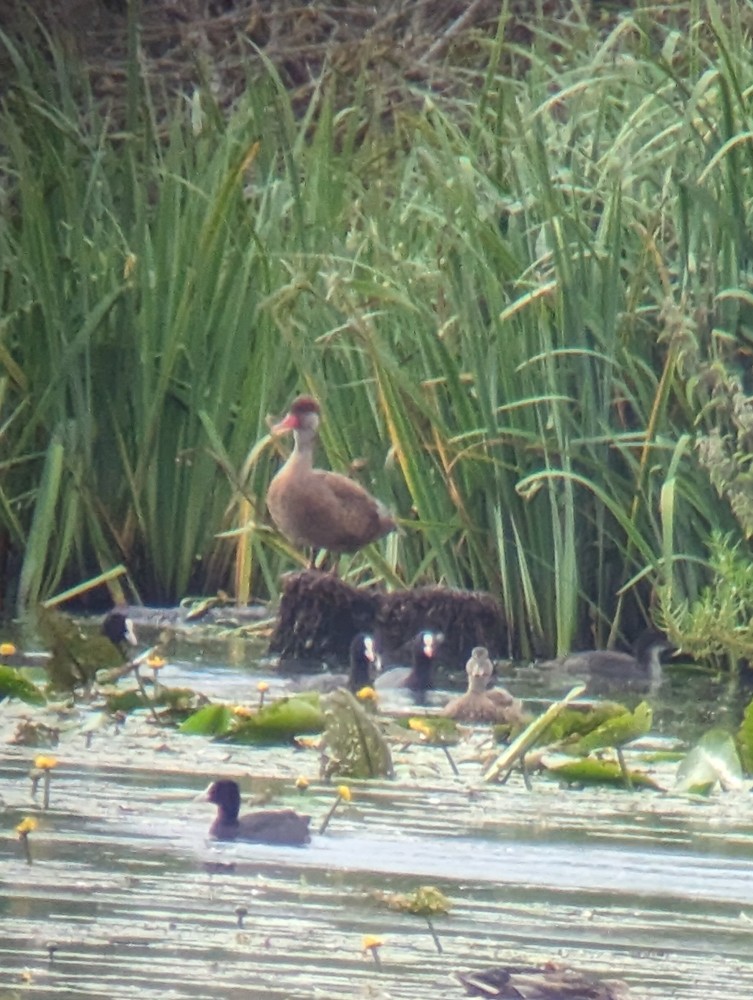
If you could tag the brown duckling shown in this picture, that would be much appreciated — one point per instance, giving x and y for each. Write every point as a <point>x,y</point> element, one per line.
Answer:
<point>363,662</point>
<point>481,703</point>
<point>552,981</point>
<point>419,676</point>
<point>268,826</point>
<point>316,508</point>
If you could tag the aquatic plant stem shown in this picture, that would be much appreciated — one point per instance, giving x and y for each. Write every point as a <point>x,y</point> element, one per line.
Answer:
<point>451,761</point>
<point>435,938</point>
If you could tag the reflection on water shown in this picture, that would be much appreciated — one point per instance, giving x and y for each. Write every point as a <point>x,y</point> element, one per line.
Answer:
<point>133,900</point>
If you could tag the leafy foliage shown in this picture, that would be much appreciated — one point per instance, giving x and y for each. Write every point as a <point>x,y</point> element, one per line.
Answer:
<point>76,653</point>
<point>713,761</point>
<point>522,314</point>
<point>13,684</point>
<point>718,624</point>
<point>425,901</point>
<point>353,740</point>
<point>614,732</point>
<point>596,771</point>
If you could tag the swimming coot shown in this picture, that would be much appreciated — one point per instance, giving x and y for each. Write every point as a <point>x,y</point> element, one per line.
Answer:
<point>268,826</point>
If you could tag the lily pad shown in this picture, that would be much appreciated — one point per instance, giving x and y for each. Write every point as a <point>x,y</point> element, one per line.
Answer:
<point>712,761</point>
<point>281,721</point>
<point>530,735</point>
<point>13,684</point>
<point>615,732</point>
<point>595,771</point>
<point>580,720</point>
<point>354,743</point>
<point>211,720</point>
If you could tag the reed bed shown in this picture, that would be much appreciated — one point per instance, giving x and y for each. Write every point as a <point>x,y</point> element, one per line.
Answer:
<point>523,302</point>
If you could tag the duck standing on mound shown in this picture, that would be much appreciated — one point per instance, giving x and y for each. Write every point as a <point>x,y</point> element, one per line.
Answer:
<point>316,508</point>
<point>269,826</point>
<point>552,981</point>
<point>481,703</point>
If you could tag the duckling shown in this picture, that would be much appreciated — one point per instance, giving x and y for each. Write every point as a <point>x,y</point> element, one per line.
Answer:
<point>480,703</point>
<point>363,658</point>
<point>552,981</point>
<point>268,826</point>
<point>419,677</point>
<point>314,507</point>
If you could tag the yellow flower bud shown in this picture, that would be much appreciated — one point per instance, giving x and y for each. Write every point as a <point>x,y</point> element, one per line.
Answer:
<point>45,763</point>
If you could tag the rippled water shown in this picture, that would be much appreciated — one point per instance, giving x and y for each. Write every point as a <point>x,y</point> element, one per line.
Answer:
<point>656,889</point>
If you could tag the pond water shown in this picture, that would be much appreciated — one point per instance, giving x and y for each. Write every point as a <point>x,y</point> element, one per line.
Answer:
<point>126,897</point>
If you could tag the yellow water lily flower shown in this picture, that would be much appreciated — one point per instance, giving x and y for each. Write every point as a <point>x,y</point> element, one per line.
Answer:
<point>372,944</point>
<point>367,694</point>
<point>7,649</point>
<point>262,686</point>
<point>301,782</point>
<point>26,826</point>
<point>344,792</point>
<point>243,710</point>
<point>155,662</point>
<point>420,726</point>
<point>45,763</point>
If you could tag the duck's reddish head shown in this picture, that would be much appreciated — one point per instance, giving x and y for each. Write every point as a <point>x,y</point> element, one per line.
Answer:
<point>300,409</point>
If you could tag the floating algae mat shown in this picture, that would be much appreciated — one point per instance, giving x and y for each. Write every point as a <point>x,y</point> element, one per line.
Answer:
<point>125,897</point>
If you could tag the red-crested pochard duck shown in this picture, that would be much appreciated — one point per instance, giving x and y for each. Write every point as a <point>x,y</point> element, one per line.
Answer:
<point>481,703</point>
<point>269,826</point>
<point>552,981</point>
<point>314,507</point>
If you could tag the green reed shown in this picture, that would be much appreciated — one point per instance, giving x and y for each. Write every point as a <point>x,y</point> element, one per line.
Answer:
<point>508,300</point>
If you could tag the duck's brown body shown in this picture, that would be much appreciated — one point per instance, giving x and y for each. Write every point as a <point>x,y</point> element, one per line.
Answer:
<point>316,508</point>
<point>268,826</point>
<point>552,981</point>
<point>480,703</point>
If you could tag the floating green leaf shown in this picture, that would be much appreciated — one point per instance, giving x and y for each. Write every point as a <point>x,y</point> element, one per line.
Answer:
<point>281,721</point>
<point>712,761</point>
<point>582,719</point>
<point>13,684</point>
<point>354,743</point>
<point>594,771</point>
<point>528,738</point>
<point>615,732</point>
<point>211,720</point>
